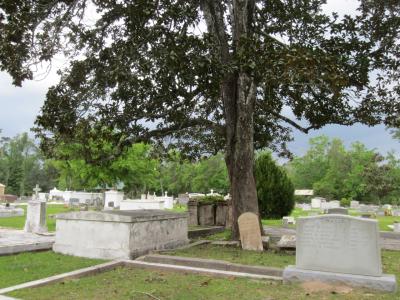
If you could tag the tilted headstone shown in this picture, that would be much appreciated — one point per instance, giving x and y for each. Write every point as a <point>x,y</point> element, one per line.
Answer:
<point>250,232</point>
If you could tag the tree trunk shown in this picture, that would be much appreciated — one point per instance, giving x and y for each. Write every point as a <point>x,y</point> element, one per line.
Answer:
<point>239,92</point>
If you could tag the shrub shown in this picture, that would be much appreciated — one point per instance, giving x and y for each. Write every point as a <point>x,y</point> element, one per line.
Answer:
<point>275,191</point>
<point>345,202</point>
<point>210,199</point>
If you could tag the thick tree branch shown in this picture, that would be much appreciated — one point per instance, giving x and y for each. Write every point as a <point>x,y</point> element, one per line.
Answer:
<point>293,123</point>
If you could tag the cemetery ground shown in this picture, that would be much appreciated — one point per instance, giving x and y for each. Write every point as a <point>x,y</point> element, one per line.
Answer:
<point>28,266</point>
<point>132,283</point>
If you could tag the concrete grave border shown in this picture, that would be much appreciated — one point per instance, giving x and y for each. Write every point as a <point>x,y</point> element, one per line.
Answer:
<point>194,266</point>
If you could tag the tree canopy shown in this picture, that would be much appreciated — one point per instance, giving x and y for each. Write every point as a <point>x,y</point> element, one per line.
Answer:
<point>205,75</point>
<point>151,69</point>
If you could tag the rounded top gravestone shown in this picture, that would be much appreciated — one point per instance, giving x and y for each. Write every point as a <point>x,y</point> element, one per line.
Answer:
<point>250,232</point>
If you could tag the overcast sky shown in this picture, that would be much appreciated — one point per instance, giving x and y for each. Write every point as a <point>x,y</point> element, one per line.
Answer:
<point>19,106</point>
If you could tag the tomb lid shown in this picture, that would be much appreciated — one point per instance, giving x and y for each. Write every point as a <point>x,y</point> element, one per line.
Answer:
<point>124,216</point>
<point>2,185</point>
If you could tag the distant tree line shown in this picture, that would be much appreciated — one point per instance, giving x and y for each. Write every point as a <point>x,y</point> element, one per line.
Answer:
<point>22,166</point>
<point>335,172</point>
<point>328,167</point>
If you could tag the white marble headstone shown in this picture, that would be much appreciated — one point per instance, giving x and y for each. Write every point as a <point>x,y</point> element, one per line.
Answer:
<point>338,243</point>
<point>36,217</point>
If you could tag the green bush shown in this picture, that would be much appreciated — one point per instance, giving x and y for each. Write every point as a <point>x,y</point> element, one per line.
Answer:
<point>275,191</point>
<point>345,202</point>
<point>210,199</point>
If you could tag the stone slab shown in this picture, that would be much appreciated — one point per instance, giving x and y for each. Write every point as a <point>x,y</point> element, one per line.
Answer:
<point>194,270</point>
<point>338,243</point>
<point>203,232</point>
<point>141,204</point>
<point>386,283</point>
<point>212,264</point>
<point>16,241</point>
<point>125,216</point>
<point>11,212</point>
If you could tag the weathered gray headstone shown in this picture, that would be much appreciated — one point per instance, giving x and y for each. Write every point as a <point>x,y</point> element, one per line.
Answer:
<point>354,204</point>
<point>206,213</point>
<point>250,232</point>
<point>337,210</point>
<point>193,219</point>
<point>36,217</point>
<point>340,249</point>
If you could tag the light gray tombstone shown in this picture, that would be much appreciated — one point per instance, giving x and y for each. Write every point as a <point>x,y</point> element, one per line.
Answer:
<point>338,211</point>
<point>396,213</point>
<point>396,227</point>
<point>36,217</point>
<point>354,204</point>
<point>286,221</point>
<point>250,232</point>
<point>339,249</point>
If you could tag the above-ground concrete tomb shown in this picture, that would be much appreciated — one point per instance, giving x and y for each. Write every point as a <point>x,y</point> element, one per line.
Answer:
<point>119,234</point>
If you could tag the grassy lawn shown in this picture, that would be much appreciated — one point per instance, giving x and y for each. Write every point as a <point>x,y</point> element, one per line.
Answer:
<point>124,283</point>
<point>179,208</point>
<point>20,268</point>
<point>236,255</point>
<point>298,212</point>
<point>19,222</point>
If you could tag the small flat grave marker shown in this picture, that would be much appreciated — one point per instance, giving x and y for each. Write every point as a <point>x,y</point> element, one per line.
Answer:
<point>250,233</point>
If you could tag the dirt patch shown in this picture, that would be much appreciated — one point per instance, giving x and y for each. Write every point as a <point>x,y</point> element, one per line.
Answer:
<point>317,286</point>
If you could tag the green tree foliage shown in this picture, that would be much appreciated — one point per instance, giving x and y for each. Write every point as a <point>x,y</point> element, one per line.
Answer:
<point>22,166</point>
<point>356,173</point>
<point>134,168</point>
<point>257,70</point>
<point>275,190</point>
<point>181,176</point>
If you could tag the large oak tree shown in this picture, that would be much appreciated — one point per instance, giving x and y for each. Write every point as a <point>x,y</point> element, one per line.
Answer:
<point>236,75</point>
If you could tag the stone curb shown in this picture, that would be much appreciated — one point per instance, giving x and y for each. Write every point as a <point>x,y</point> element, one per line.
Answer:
<point>212,264</point>
<point>201,271</point>
<point>15,249</point>
<point>7,298</point>
<point>201,232</point>
<point>69,275</point>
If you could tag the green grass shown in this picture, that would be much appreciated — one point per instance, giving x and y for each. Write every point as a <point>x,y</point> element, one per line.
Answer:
<point>236,255</point>
<point>298,212</point>
<point>138,284</point>
<point>179,208</point>
<point>19,222</point>
<point>20,268</point>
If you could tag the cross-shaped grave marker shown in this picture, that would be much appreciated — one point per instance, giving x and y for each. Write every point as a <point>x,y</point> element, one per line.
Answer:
<point>37,189</point>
